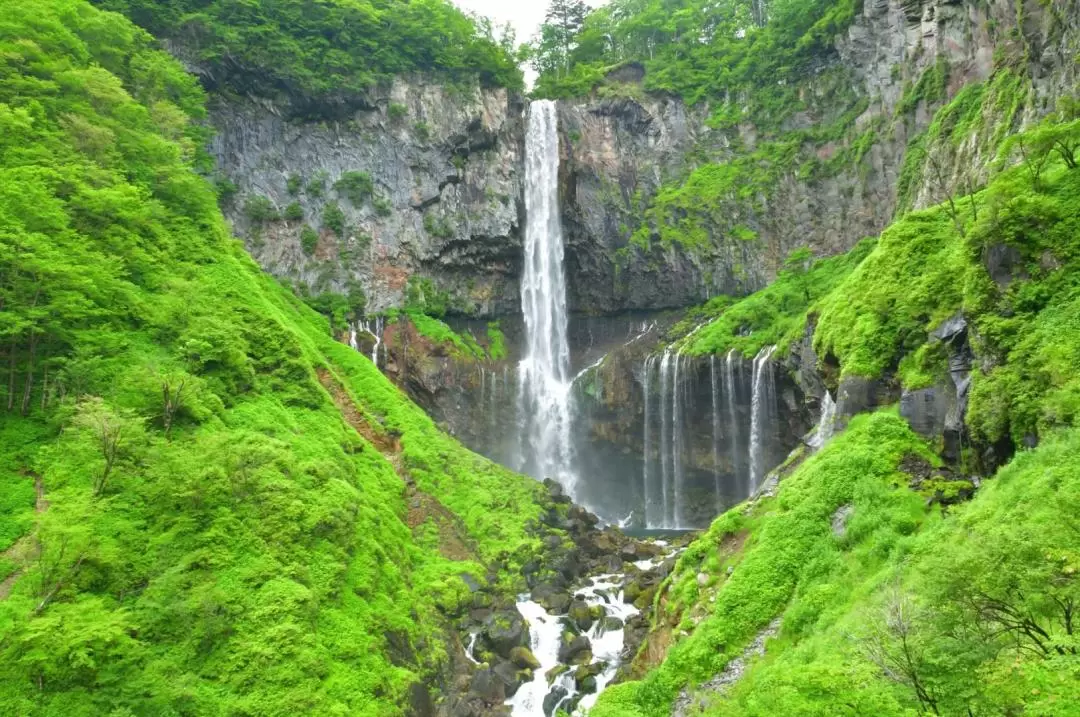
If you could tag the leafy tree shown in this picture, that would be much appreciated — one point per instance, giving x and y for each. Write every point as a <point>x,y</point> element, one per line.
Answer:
<point>112,432</point>
<point>558,34</point>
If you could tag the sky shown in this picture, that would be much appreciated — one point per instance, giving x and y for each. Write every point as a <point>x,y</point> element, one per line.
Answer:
<point>525,16</point>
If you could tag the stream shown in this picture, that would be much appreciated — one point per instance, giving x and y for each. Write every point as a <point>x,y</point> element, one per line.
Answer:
<point>577,688</point>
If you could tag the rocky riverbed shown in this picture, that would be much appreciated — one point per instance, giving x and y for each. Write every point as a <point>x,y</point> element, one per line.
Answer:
<point>574,630</point>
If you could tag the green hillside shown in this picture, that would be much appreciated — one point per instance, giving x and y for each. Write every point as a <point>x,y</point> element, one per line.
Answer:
<point>224,520</point>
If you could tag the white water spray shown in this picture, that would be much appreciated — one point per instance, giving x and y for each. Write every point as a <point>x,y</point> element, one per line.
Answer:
<point>545,399</point>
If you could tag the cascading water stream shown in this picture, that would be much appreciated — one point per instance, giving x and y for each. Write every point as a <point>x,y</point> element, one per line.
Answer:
<point>646,474</point>
<point>666,453</point>
<point>373,328</point>
<point>715,396</point>
<point>545,399</point>
<point>678,470</point>
<point>826,424</point>
<point>760,414</point>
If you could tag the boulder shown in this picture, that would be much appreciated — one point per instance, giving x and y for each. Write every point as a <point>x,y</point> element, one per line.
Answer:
<point>574,649</point>
<point>487,686</point>
<point>554,699</point>
<point>503,631</point>
<point>552,598</point>
<point>524,658</point>
<point>511,677</point>
<point>611,623</point>
<point>581,614</point>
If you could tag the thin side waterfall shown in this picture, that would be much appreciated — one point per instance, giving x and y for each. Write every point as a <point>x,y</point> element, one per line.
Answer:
<point>665,436</point>
<point>545,399</point>
<point>677,468</point>
<point>826,424</point>
<point>760,414</point>
<point>646,477</point>
<point>373,328</point>
<point>733,418</point>
<point>715,395</point>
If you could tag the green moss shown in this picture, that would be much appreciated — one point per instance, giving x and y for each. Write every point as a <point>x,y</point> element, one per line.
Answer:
<point>496,341</point>
<point>775,315</point>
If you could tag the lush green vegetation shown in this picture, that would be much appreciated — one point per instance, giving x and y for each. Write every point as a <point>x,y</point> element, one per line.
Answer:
<point>879,616</point>
<point>223,528</point>
<point>321,52</point>
<point>909,611</point>
<point>774,316</point>
<point>699,49</point>
<point>1006,256</point>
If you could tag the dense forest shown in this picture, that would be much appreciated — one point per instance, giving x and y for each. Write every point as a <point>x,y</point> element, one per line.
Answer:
<point>325,54</point>
<point>698,49</point>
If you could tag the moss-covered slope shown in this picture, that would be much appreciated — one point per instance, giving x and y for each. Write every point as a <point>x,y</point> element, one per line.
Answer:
<point>208,505</point>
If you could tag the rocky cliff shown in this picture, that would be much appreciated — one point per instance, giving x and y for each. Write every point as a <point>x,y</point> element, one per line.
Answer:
<point>667,205</point>
<point>427,179</point>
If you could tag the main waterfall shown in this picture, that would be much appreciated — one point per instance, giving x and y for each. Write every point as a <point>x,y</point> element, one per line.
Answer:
<point>545,399</point>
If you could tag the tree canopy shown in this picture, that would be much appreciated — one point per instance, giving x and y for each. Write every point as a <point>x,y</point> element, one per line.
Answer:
<point>324,51</point>
<point>699,49</point>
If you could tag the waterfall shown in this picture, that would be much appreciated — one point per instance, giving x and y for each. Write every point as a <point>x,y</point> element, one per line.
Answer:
<point>678,470</point>
<point>760,414</point>
<point>826,424</point>
<point>545,401</point>
<point>733,419</point>
<point>373,328</point>
<point>666,416</point>
<point>646,478</point>
<point>715,396</point>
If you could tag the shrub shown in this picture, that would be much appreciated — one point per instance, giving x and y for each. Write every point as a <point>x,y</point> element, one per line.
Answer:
<point>294,212</point>
<point>294,184</point>
<point>397,111</point>
<point>309,239</point>
<point>317,186</point>
<point>260,210</point>
<point>355,186</point>
<point>334,219</point>
<point>383,207</point>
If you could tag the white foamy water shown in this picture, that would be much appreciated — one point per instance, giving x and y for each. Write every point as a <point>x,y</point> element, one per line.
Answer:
<point>545,631</point>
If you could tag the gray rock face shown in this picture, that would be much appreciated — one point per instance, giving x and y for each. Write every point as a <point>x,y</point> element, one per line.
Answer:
<point>939,410</point>
<point>445,167</point>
